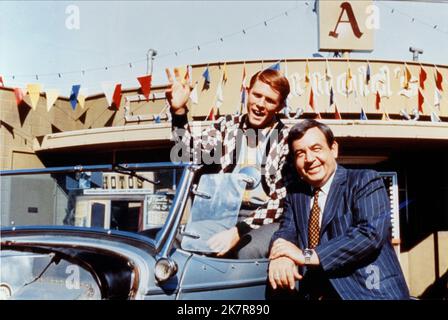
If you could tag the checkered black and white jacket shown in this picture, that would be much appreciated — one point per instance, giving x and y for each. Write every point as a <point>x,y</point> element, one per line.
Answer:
<point>221,137</point>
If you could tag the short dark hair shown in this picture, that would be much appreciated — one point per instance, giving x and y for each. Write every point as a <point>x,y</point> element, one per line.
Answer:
<point>275,80</point>
<point>299,130</point>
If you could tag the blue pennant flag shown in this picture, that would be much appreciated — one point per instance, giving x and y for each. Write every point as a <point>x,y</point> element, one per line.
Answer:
<point>206,76</point>
<point>363,115</point>
<point>243,96</point>
<point>275,67</point>
<point>157,119</point>
<point>74,95</point>
<point>368,74</point>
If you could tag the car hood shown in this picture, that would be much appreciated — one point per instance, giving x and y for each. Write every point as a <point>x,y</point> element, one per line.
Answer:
<point>75,263</point>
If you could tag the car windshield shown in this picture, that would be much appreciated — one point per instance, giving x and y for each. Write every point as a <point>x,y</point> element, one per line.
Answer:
<point>122,199</point>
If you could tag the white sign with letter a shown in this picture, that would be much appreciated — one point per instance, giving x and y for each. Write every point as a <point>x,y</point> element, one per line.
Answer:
<point>347,25</point>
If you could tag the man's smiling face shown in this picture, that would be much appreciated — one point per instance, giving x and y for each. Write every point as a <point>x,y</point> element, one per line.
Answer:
<point>314,159</point>
<point>263,104</point>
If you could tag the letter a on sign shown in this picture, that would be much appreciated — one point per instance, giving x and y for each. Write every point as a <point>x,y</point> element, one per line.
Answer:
<point>342,26</point>
<point>346,7</point>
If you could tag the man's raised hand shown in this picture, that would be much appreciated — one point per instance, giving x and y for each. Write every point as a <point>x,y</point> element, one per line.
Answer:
<point>178,92</point>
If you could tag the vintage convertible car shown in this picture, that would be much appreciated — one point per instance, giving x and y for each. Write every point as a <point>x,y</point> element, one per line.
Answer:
<point>129,231</point>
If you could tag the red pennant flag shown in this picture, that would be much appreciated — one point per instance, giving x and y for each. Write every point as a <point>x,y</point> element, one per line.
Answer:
<point>337,115</point>
<point>116,99</point>
<point>312,99</point>
<point>422,78</point>
<point>211,115</point>
<point>19,95</point>
<point>145,84</point>
<point>2,84</point>
<point>439,80</point>
<point>421,100</point>
<point>378,101</point>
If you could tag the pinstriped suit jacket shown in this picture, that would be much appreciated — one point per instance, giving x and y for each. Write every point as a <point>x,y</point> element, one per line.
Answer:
<point>355,249</point>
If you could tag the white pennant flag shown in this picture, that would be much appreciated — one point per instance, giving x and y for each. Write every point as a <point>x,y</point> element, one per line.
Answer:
<point>108,89</point>
<point>190,74</point>
<point>52,95</point>
<point>219,96</point>
<point>435,117</point>
<point>328,74</point>
<point>437,98</point>
<point>194,94</point>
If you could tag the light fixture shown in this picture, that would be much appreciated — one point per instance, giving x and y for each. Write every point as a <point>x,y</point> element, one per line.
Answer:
<point>415,53</point>
<point>164,269</point>
<point>150,54</point>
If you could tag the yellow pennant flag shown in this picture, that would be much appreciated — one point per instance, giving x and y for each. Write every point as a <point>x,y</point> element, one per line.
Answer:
<point>34,93</point>
<point>51,95</point>
<point>82,97</point>
<point>348,79</point>
<point>224,73</point>
<point>385,116</point>
<point>81,100</point>
<point>407,76</point>
<point>307,73</point>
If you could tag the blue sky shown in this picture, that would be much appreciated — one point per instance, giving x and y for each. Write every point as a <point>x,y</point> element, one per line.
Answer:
<point>34,38</point>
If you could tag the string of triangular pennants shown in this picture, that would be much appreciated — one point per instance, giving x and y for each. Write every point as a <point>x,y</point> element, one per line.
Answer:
<point>214,112</point>
<point>113,91</point>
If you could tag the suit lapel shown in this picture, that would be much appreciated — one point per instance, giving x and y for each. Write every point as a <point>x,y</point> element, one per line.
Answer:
<point>334,198</point>
<point>304,212</point>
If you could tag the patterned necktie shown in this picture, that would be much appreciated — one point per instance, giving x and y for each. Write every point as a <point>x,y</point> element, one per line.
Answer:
<point>313,225</point>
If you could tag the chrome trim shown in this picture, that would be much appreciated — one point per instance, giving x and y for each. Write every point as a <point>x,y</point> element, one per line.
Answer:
<point>76,168</point>
<point>102,167</point>
<point>195,191</point>
<point>151,165</point>
<point>166,236</point>
<point>213,286</point>
<point>97,233</point>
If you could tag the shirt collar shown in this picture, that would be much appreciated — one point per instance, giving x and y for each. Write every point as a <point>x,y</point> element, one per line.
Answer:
<point>266,130</point>
<point>326,187</point>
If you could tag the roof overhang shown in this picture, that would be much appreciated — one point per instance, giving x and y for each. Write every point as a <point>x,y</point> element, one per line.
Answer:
<point>156,135</point>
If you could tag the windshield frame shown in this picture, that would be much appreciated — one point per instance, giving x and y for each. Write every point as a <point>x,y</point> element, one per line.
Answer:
<point>161,243</point>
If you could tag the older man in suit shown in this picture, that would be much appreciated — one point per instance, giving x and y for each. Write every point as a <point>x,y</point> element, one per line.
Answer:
<point>336,227</point>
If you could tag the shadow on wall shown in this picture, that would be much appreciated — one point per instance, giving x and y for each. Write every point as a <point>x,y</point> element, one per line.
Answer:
<point>438,290</point>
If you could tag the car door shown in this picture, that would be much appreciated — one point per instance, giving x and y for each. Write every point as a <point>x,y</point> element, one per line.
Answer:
<point>223,279</point>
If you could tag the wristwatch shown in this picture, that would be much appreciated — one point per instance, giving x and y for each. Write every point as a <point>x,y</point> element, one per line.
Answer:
<point>308,253</point>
